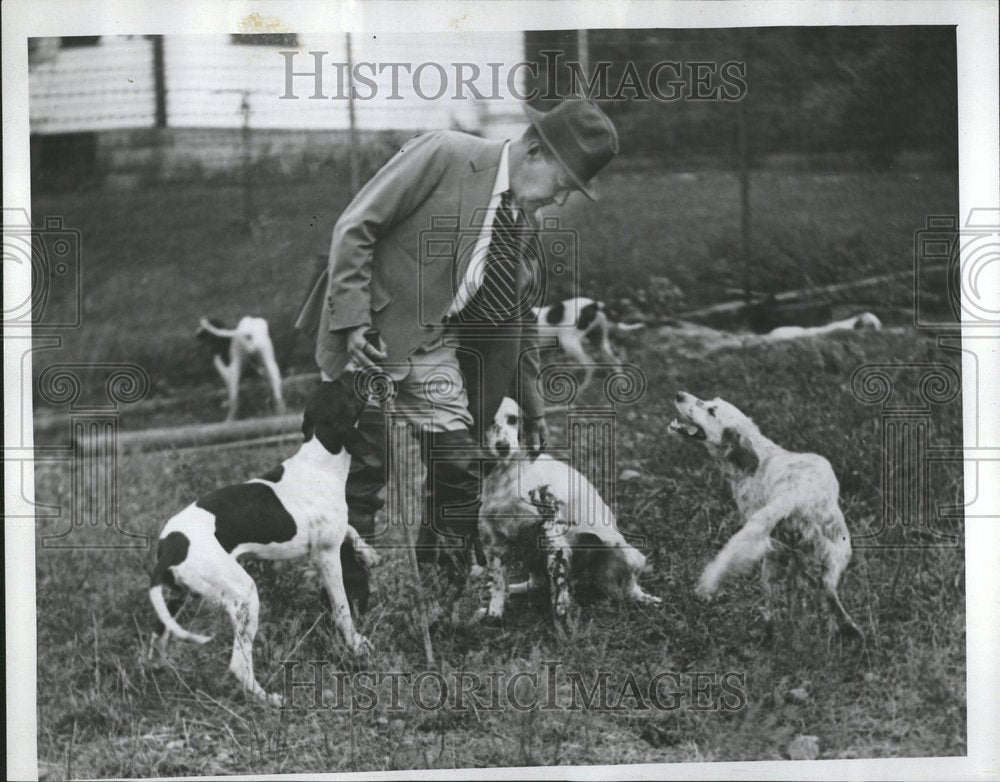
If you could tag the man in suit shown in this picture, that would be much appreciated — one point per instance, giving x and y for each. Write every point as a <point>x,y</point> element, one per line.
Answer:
<point>435,254</point>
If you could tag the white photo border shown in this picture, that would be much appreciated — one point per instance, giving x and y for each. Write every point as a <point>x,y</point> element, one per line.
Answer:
<point>976,24</point>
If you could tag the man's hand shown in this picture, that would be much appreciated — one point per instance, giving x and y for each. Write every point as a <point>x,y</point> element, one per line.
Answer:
<point>536,435</point>
<point>364,353</point>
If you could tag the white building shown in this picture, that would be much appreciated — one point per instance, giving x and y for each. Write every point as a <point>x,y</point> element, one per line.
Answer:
<point>112,87</point>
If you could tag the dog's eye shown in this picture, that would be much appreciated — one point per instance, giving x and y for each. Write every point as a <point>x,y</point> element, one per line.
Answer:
<point>512,420</point>
<point>711,411</point>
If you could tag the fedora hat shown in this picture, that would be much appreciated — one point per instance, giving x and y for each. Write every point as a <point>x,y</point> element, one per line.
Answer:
<point>580,135</point>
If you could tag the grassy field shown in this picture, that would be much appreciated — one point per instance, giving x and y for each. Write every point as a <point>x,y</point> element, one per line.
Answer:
<point>155,261</point>
<point>104,710</point>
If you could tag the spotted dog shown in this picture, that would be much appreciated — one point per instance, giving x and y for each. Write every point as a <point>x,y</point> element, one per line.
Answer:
<point>864,321</point>
<point>789,503</point>
<point>235,350</point>
<point>572,320</point>
<point>577,528</point>
<point>296,509</point>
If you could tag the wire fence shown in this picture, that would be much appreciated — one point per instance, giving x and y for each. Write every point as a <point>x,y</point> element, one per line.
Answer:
<point>144,113</point>
<point>288,104</point>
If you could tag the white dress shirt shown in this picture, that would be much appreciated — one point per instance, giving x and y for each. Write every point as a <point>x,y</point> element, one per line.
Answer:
<point>474,273</point>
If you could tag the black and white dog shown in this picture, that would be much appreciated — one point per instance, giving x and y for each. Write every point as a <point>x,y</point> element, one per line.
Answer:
<point>236,350</point>
<point>571,321</point>
<point>296,509</point>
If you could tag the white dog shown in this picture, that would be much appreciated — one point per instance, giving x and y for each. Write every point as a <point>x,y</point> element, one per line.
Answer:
<point>577,528</point>
<point>235,350</point>
<point>572,320</point>
<point>296,509</point>
<point>866,320</point>
<point>789,503</point>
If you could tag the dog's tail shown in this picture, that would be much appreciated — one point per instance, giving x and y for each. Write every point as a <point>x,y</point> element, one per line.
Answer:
<point>618,326</point>
<point>163,613</point>
<point>208,326</point>
<point>171,551</point>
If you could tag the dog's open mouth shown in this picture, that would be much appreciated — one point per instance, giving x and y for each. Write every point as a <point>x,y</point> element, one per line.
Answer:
<point>687,429</point>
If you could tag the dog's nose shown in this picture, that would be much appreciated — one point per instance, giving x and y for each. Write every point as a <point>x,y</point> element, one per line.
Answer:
<point>503,448</point>
<point>680,396</point>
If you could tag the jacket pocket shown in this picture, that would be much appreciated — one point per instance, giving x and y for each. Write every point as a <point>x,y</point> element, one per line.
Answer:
<point>380,297</point>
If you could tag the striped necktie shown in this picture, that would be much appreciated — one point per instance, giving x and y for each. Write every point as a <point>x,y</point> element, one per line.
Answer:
<point>496,299</point>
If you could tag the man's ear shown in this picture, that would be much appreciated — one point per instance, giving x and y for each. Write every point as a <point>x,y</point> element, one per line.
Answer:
<point>738,451</point>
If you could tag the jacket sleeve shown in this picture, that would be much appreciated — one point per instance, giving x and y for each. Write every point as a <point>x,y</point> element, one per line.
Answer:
<point>523,387</point>
<point>398,188</point>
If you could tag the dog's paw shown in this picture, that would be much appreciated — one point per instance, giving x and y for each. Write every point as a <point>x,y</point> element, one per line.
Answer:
<point>706,589</point>
<point>640,595</point>
<point>851,634</point>
<point>366,554</point>
<point>708,584</point>
<point>362,647</point>
<point>565,623</point>
<point>492,619</point>
<point>275,700</point>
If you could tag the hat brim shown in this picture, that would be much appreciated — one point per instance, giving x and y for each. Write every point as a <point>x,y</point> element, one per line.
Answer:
<point>534,115</point>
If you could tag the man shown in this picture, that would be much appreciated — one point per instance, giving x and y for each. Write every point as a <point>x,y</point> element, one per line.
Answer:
<point>431,253</point>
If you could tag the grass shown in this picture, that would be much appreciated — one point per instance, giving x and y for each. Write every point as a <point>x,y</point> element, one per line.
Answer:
<point>104,710</point>
<point>156,260</point>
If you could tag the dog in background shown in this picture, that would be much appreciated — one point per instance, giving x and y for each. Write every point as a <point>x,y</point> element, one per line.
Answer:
<point>546,513</point>
<point>296,509</point>
<point>789,503</point>
<point>866,320</point>
<point>235,350</point>
<point>571,321</point>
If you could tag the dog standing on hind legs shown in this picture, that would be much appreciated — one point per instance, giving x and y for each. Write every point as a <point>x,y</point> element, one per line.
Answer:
<point>789,503</point>
<point>296,509</point>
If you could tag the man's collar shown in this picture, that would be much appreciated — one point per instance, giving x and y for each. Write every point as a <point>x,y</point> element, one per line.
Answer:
<point>502,182</point>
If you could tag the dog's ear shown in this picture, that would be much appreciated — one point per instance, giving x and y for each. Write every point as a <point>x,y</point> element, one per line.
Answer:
<point>307,425</point>
<point>738,451</point>
<point>316,403</point>
<point>356,443</point>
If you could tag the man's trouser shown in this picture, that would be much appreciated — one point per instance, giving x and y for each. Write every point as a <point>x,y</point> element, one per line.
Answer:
<point>431,395</point>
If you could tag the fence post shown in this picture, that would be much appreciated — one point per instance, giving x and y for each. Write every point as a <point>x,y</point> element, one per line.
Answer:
<point>744,155</point>
<point>159,81</point>
<point>248,211</point>
<point>583,56</point>
<point>353,137</point>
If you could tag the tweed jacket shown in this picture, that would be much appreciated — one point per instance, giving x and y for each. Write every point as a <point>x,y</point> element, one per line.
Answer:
<point>398,254</point>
